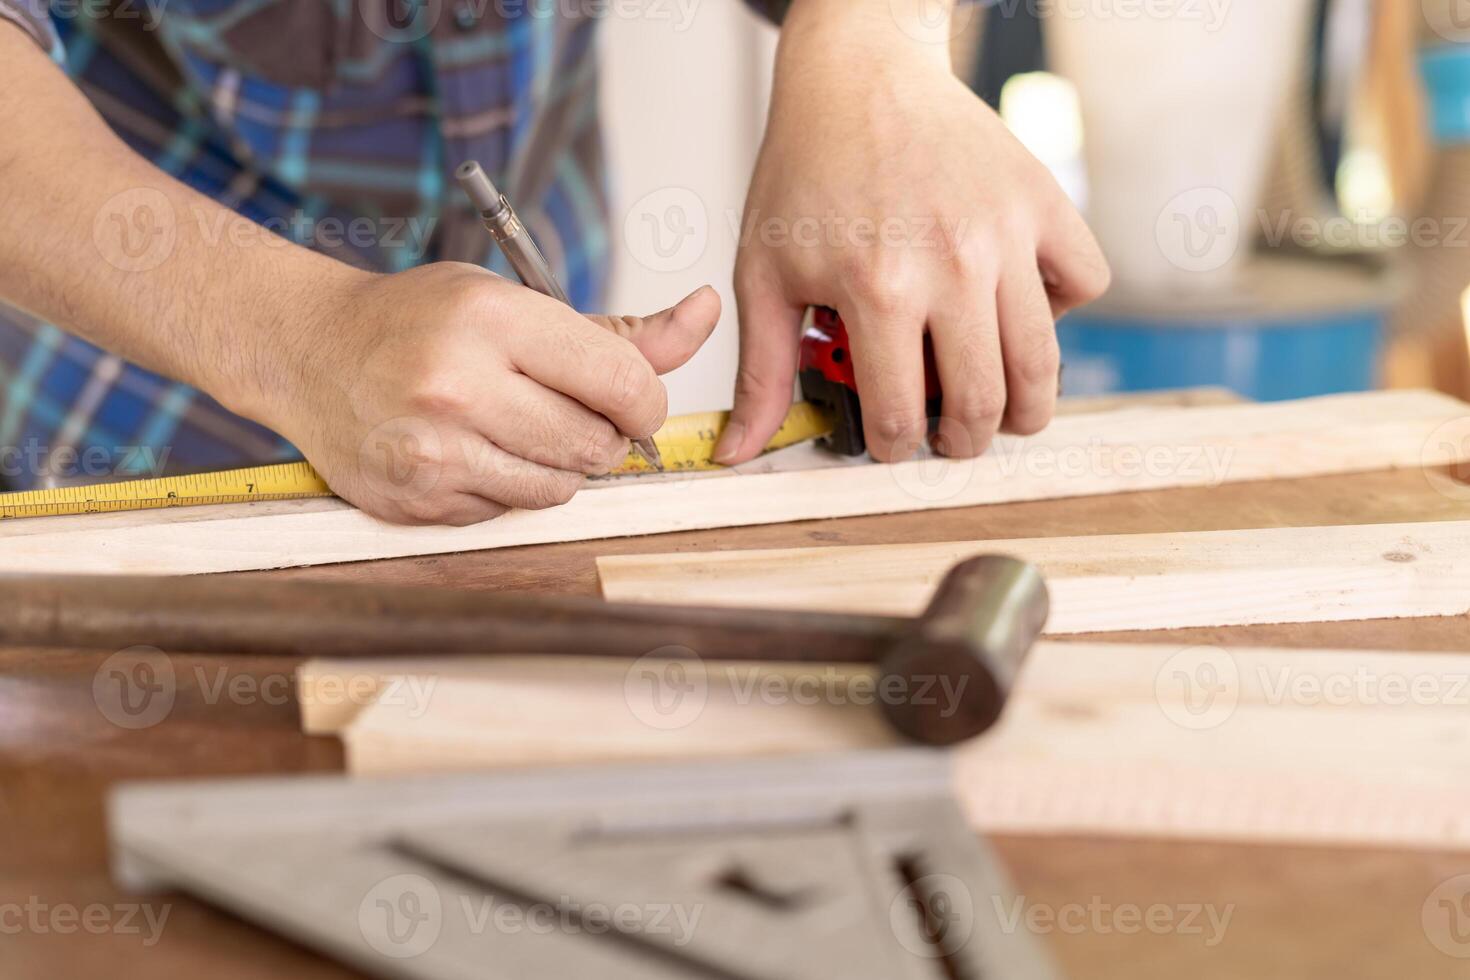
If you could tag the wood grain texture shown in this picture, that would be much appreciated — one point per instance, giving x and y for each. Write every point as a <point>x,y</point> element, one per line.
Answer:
<point>1086,455</point>
<point>1101,583</point>
<point>550,711</point>
<point>1352,748</point>
<point>1299,912</point>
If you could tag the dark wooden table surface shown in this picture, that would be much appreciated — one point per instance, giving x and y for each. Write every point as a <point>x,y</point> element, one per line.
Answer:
<point>1293,912</point>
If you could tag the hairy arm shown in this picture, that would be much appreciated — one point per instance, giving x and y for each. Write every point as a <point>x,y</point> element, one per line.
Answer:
<point>107,246</point>
<point>444,394</point>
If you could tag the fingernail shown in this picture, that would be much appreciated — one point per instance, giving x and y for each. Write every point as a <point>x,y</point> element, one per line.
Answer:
<point>729,443</point>
<point>696,295</point>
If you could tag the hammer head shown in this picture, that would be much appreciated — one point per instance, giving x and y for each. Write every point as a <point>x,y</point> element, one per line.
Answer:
<point>947,676</point>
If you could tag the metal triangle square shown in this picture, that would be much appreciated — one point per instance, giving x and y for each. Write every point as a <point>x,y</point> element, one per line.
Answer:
<point>799,868</point>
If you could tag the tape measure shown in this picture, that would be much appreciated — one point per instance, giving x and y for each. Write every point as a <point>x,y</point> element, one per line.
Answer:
<point>686,443</point>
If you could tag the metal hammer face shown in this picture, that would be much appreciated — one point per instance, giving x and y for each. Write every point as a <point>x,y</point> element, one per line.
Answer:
<point>958,661</point>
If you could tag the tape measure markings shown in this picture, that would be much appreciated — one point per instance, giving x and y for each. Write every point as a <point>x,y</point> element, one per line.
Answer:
<point>687,443</point>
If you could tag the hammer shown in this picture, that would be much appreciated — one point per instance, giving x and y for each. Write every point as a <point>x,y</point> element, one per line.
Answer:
<point>944,676</point>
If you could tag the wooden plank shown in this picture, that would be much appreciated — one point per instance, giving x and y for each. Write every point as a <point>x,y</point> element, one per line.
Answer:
<point>1360,748</point>
<point>1100,583</point>
<point>551,711</point>
<point>1085,455</point>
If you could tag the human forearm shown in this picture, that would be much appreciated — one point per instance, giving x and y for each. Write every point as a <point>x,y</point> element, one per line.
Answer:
<point>918,26</point>
<point>443,394</point>
<point>99,241</point>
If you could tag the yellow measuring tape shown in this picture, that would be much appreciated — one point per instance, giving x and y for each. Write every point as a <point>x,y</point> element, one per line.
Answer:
<point>686,443</point>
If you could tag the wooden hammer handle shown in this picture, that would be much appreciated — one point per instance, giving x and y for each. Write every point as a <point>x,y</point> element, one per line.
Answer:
<point>210,614</point>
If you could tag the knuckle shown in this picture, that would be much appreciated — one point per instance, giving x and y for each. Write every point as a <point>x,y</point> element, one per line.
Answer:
<point>880,282</point>
<point>538,492</point>
<point>622,385</point>
<point>559,488</point>
<point>565,487</point>
<point>438,395</point>
<point>896,425</point>
<point>466,288</point>
<point>978,408</point>
<point>990,404</point>
<point>476,297</point>
<point>599,449</point>
<point>646,408</point>
<point>1038,363</point>
<point>658,410</point>
<point>628,381</point>
<point>592,457</point>
<point>528,493</point>
<point>971,265</point>
<point>882,295</point>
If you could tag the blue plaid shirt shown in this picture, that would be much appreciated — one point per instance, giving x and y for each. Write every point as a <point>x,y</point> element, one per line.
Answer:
<point>336,123</point>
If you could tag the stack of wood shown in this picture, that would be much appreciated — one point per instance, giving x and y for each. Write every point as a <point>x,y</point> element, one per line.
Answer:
<point>1127,739</point>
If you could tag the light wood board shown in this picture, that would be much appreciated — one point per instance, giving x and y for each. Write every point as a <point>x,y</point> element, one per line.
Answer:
<point>1098,583</point>
<point>1083,455</point>
<point>1262,745</point>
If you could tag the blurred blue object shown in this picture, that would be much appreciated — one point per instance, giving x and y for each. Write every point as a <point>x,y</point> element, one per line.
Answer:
<point>1445,69</point>
<point>1297,332</point>
<point>1264,360</point>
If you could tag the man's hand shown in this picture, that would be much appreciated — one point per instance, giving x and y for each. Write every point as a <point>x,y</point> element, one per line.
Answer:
<point>446,395</point>
<point>440,395</point>
<point>889,191</point>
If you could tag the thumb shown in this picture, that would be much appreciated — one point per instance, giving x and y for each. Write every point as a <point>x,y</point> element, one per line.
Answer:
<point>669,338</point>
<point>770,341</point>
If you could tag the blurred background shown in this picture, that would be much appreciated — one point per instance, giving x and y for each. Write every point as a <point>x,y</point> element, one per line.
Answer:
<point>1281,186</point>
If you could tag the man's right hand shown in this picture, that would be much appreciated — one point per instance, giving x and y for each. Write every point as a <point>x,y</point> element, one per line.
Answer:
<point>440,395</point>
<point>446,395</point>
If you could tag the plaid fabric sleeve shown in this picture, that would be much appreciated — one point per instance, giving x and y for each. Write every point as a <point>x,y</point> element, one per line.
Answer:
<point>31,17</point>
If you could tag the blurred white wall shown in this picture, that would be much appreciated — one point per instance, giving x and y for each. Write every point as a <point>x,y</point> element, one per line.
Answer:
<point>684,102</point>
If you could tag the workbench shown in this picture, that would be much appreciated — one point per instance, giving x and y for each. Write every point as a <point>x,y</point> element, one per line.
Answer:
<point>1295,912</point>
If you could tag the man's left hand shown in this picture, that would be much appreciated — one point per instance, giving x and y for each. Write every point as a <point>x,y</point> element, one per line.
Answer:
<point>887,190</point>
